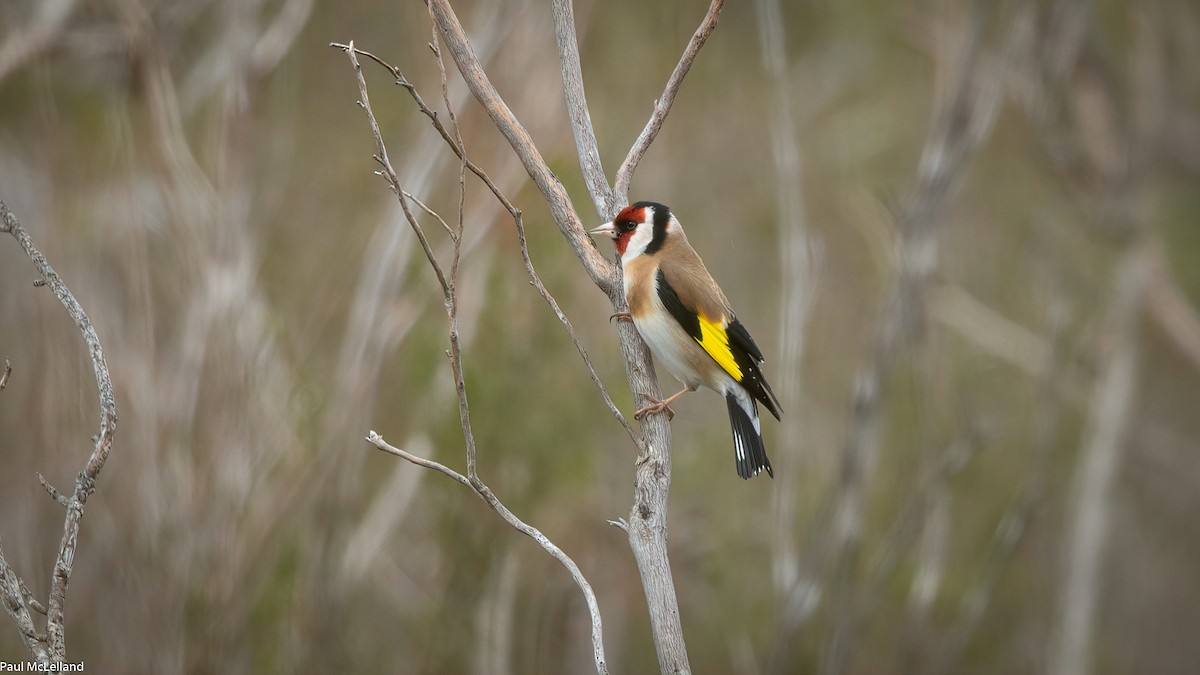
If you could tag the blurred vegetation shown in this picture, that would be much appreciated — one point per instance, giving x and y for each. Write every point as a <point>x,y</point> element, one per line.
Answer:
<point>203,182</point>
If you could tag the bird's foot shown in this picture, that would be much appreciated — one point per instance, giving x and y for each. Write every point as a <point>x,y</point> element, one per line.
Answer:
<point>656,407</point>
<point>621,316</point>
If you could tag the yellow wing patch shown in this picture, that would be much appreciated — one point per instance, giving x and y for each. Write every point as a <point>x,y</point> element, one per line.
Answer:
<point>715,341</point>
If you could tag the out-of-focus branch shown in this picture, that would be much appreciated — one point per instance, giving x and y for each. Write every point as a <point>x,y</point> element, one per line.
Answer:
<point>1171,308</point>
<point>277,39</point>
<point>1047,409</point>
<point>448,284</point>
<point>55,648</point>
<point>25,44</point>
<point>577,109</point>
<point>662,106</point>
<point>959,128</point>
<point>1108,420</point>
<point>798,289</point>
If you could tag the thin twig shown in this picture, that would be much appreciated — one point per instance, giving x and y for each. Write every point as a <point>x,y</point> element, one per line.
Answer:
<point>435,214</point>
<point>435,47</point>
<point>536,280</point>
<point>377,440</point>
<point>453,141</point>
<point>449,285</point>
<point>389,173</point>
<point>52,491</point>
<point>7,372</point>
<point>663,105</point>
<point>483,492</point>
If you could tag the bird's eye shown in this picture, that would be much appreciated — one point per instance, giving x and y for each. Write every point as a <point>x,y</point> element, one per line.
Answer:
<point>628,225</point>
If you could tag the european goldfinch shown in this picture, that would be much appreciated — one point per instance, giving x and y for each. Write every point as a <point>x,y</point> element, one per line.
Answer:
<point>689,326</point>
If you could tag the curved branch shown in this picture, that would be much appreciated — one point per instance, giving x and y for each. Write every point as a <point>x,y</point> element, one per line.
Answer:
<point>85,483</point>
<point>485,493</point>
<point>663,105</point>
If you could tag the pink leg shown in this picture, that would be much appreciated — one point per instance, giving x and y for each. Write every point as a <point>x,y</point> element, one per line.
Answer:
<point>660,406</point>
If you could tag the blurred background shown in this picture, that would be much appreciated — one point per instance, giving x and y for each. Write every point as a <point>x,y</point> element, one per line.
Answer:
<point>981,321</point>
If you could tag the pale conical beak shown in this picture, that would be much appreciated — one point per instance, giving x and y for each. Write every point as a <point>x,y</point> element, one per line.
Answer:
<point>606,229</point>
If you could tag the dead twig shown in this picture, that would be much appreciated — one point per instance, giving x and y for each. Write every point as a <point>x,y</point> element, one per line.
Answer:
<point>662,106</point>
<point>453,139</point>
<point>448,284</point>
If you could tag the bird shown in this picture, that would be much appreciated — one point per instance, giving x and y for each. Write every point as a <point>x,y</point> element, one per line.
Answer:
<point>691,329</point>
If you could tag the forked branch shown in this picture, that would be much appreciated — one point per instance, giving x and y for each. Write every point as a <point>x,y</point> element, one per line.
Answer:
<point>449,285</point>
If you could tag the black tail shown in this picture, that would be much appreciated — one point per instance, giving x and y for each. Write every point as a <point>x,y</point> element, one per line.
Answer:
<point>749,452</point>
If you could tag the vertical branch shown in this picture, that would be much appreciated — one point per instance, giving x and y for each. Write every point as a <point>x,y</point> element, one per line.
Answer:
<point>647,524</point>
<point>958,129</point>
<point>798,288</point>
<point>1108,421</point>
<point>577,109</point>
<point>603,273</point>
<point>85,483</point>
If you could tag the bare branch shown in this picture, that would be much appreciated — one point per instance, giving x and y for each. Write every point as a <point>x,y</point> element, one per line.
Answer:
<point>648,516</point>
<point>454,140</point>
<point>7,372</point>
<point>25,44</point>
<point>798,289</point>
<point>52,491</point>
<point>577,109</point>
<point>1047,411</point>
<point>389,173</point>
<point>602,272</point>
<point>85,483</point>
<point>647,526</point>
<point>484,492</point>
<point>275,41</point>
<point>14,597</point>
<point>536,280</point>
<point>377,440</point>
<point>431,212</point>
<point>449,285</point>
<point>663,105</point>
<point>1171,308</point>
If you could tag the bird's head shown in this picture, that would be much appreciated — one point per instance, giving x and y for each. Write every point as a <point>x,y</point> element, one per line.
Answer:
<point>639,228</point>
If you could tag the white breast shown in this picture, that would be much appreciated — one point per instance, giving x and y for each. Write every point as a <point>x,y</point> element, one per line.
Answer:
<point>676,351</point>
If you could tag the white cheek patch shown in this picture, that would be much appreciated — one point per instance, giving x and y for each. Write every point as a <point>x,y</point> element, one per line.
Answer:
<point>638,242</point>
